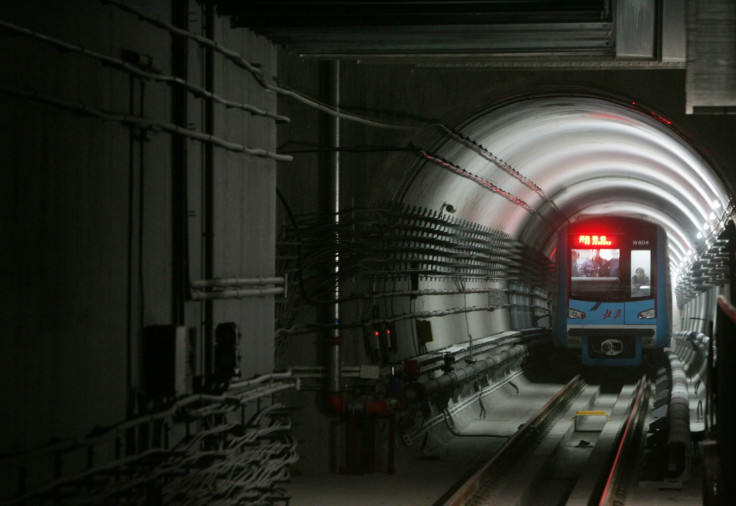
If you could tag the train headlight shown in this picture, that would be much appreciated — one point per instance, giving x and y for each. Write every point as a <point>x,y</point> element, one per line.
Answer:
<point>648,314</point>
<point>574,314</point>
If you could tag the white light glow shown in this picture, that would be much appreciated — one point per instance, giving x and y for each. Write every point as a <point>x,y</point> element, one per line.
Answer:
<point>587,155</point>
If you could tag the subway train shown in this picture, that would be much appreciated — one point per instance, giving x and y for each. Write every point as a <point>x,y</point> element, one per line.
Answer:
<point>614,297</point>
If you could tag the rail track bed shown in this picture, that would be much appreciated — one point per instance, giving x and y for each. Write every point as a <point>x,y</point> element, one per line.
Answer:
<point>577,449</point>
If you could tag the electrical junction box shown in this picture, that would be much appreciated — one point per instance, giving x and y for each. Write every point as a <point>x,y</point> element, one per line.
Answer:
<point>370,372</point>
<point>497,298</point>
<point>164,364</point>
<point>424,331</point>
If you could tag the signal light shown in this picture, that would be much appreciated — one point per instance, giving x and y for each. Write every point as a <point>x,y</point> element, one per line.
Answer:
<point>393,343</point>
<point>380,340</point>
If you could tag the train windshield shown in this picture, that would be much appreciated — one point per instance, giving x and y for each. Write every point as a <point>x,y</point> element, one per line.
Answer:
<point>610,274</point>
<point>641,268</point>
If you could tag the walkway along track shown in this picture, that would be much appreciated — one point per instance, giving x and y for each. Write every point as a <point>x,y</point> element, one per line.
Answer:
<point>543,462</point>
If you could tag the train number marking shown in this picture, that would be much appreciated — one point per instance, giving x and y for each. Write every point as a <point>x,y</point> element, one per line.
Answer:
<point>610,314</point>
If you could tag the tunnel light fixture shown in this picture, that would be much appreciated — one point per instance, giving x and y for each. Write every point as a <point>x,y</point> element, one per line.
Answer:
<point>700,235</point>
<point>447,207</point>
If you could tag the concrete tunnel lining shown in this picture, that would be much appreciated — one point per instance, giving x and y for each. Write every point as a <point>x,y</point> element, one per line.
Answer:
<point>590,155</point>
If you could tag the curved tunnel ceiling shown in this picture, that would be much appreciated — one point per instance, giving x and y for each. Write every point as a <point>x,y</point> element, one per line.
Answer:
<point>576,156</point>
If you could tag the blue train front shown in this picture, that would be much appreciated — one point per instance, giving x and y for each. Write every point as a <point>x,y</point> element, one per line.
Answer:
<point>613,290</point>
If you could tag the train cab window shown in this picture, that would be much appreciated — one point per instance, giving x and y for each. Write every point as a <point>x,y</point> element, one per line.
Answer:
<point>641,268</point>
<point>594,272</point>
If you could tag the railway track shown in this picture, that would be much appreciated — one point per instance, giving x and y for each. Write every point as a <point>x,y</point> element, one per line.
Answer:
<point>576,450</point>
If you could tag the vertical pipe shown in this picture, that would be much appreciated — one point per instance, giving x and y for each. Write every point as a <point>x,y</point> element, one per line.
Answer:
<point>208,193</point>
<point>330,203</point>
<point>179,247</point>
<point>334,339</point>
<point>135,302</point>
<point>130,395</point>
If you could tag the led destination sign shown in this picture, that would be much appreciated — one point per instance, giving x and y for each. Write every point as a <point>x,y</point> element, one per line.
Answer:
<point>594,240</point>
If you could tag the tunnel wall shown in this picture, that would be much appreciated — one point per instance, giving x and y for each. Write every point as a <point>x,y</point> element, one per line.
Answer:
<point>96,243</point>
<point>89,242</point>
<point>383,165</point>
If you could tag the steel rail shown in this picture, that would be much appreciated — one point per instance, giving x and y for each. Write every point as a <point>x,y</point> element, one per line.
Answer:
<point>531,427</point>
<point>626,446</point>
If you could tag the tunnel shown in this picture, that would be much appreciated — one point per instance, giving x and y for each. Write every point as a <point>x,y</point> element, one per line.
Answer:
<point>309,252</point>
<point>567,155</point>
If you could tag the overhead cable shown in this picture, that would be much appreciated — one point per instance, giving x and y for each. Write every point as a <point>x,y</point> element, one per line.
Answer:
<point>274,84</point>
<point>498,162</point>
<point>267,82</point>
<point>271,84</point>
<point>137,71</point>
<point>484,183</point>
<point>477,179</point>
<point>149,124</point>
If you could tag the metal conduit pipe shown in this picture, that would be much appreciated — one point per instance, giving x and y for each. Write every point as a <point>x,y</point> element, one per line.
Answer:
<point>692,349</point>
<point>396,401</point>
<point>393,402</point>
<point>200,288</point>
<point>237,294</point>
<point>461,374</point>
<point>379,407</point>
<point>677,341</point>
<point>432,360</point>
<point>230,282</point>
<point>334,340</point>
<point>260,379</point>
<point>682,345</point>
<point>678,415</point>
<point>703,345</point>
<point>697,351</point>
